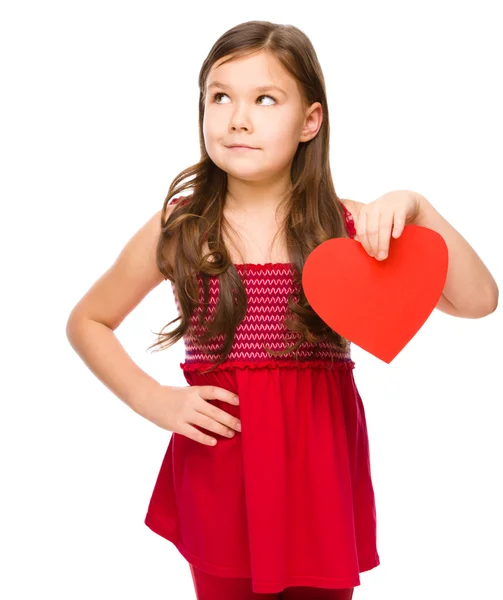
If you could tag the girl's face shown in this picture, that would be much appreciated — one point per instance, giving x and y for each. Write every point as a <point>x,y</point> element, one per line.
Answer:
<point>272,121</point>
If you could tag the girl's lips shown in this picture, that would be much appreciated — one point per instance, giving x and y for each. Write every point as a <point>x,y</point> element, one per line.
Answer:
<point>240,148</point>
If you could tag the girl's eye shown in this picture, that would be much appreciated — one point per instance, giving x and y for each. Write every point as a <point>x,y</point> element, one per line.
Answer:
<point>222,94</point>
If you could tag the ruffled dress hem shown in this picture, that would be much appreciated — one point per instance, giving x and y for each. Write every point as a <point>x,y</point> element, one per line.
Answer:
<point>263,586</point>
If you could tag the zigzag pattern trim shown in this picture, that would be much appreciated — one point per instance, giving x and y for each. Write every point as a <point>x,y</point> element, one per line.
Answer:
<point>267,289</point>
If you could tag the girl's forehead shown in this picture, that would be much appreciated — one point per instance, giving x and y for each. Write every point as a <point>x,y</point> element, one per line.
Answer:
<point>257,69</point>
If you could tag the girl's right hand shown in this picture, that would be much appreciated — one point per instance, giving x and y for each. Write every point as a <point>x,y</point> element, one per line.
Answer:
<point>178,409</point>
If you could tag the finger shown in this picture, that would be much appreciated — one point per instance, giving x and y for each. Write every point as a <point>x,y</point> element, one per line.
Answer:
<point>361,231</point>
<point>385,225</point>
<point>373,231</point>
<point>211,424</point>
<point>399,224</point>
<point>198,436</point>
<point>213,392</point>
<point>223,418</point>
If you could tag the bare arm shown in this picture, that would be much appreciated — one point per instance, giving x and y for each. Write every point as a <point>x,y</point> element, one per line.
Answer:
<point>91,324</point>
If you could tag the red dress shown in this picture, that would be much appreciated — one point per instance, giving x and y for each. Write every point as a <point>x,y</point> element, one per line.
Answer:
<point>288,501</point>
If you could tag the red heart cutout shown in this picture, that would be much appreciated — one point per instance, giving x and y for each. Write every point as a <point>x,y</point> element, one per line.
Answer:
<point>378,305</point>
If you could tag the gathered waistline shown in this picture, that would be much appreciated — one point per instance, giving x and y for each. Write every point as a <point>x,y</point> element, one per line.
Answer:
<point>269,364</point>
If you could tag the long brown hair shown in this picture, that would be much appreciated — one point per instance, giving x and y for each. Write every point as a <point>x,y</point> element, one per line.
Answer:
<point>314,212</point>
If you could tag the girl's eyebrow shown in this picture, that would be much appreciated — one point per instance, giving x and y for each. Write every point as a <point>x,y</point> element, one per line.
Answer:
<point>260,88</point>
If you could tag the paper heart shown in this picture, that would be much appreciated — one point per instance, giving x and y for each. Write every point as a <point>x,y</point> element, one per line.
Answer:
<point>378,305</point>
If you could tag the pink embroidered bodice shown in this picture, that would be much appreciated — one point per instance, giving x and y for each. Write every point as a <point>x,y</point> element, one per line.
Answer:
<point>268,287</point>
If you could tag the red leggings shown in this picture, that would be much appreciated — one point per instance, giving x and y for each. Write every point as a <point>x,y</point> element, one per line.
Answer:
<point>212,587</point>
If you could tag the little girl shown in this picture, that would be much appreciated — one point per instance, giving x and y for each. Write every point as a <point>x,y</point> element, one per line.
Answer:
<point>270,495</point>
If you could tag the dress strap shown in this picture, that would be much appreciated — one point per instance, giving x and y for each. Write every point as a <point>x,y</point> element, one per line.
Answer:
<point>183,200</point>
<point>350,224</point>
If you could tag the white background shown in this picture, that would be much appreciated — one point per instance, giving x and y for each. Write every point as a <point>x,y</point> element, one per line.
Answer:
<point>99,114</point>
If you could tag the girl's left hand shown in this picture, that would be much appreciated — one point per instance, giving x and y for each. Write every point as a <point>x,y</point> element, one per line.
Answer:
<point>375,220</point>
